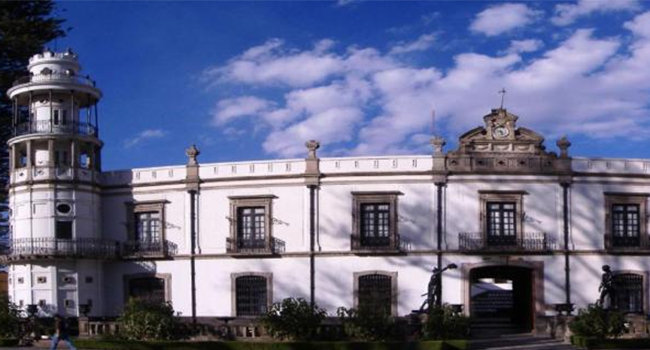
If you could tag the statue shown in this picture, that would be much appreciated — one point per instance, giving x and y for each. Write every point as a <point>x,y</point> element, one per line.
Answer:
<point>606,287</point>
<point>433,290</point>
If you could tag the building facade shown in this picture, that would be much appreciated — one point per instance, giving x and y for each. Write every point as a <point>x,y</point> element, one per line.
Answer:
<point>527,228</point>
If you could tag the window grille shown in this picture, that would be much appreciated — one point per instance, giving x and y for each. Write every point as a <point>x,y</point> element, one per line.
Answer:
<point>375,293</point>
<point>251,295</point>
<point>501,223</point>
<point>147,227</point>
<point>148,288</point>
<point>251,227</point>
<point>375,224</point>
<point>625,225</point>
<point>629,292</point>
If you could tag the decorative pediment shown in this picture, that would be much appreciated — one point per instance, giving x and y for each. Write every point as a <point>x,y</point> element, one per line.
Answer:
<point>500,146</point>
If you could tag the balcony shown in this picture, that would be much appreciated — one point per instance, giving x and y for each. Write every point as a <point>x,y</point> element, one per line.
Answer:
<point>47,127</point>
<point>528,242</point>
<point>49,248</point>
<point>154,249</point>
<point>627,243</point>
<point>255,247</point>
<point>378,245</point>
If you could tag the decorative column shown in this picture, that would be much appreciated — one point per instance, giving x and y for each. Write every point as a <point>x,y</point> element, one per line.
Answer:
<point>565,181</point>
<point>192,182</point>
<point>439,172</point>
<point>312,180</point>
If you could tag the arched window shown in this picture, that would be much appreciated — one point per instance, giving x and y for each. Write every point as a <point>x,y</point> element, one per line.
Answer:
<point>251,295</point>
<point>375,292</point>
<point>629,292</point>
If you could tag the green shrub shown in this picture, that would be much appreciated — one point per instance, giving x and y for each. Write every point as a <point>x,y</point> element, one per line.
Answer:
<point>148,320</point>
<point>594,321</point>
<point>443,323</point>
<point>293,319</point>
<point>367,324</point>
<point>10,320</point>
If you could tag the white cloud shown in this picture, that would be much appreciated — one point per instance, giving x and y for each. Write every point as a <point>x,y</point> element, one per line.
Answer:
<point>144,135</point>
<point>375,103</point>
<point>422,43</point>
<point>502,18</point>
<point>233,108</point>
<point>528,45</point>
<point>566,14</point>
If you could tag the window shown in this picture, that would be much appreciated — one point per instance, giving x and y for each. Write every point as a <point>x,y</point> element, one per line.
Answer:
<point>68,280</point>
<point>501,218</point>
<point>148,288</point>
<point>42,303</point>
<point>625,220</point>
<point>69,303</point>
<point>376,291</point>
<point>147,227</point>
<point>20,280</point>
<point>41,280</point>
<point>501,226</point>
<point>251,227</point>
<point>89,279</point>
<point>56,117</point>
<point>374,220</point>
<point>629,292</point>
<point>63,229</point>
<point>252,293</point>
<point>250,224</point>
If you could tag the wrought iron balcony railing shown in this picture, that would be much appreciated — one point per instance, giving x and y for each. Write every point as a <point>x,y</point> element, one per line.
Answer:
<point>639,242</point>
<point>256,246</point>
<point>39,248</point>
<point>149,249</point>
<point>378,244</point>
<point>55,77</point>
<point>48,127</point>
<point>534,242</point>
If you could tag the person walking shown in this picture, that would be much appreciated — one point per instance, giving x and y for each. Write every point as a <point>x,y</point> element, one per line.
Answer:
<point>61,333</point>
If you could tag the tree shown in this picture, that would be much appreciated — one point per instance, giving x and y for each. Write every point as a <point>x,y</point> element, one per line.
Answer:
<point>25,27</point>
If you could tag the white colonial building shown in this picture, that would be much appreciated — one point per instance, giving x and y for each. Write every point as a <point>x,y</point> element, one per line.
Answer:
<point>528,229</point>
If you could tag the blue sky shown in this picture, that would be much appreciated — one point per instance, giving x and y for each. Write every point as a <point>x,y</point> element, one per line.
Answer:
<point>255,80</point>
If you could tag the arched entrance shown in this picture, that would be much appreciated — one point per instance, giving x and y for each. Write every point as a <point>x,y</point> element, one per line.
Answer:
<point>502,298</point>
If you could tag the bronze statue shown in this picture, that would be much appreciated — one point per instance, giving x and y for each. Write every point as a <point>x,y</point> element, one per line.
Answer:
<point>606,287</point>
<point>433,290</point>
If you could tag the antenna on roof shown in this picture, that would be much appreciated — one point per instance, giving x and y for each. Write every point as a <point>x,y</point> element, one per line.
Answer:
<point>433,122</point>
<point>503,95</point>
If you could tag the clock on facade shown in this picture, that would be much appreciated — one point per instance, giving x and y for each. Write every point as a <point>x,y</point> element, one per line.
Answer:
<point>500,132</point>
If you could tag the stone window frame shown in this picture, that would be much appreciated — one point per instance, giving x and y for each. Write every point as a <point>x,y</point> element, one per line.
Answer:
<point>233,289</point>
<point>393,283</point>
<point>166,277</point>
<point>375,197</point>
<point>486,197</point>
<point>150,206</point>
<point>644,284</point>
<point>265,201</point>
<point>640,199</point>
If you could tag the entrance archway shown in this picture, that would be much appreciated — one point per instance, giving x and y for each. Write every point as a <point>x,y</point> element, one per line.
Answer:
<point>503,298</point>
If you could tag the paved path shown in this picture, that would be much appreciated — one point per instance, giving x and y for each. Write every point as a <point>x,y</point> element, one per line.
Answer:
<point>521,342</point>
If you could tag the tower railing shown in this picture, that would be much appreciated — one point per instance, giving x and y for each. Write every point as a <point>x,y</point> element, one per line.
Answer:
<point>46,247</point>
<point>55,77</point>
<point>48,127</point>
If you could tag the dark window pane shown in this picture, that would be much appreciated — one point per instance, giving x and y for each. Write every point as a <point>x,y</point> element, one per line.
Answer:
<point>501,223</point>
<point>375,224</point>
<point>251,227</point>
<point>628,296</point>
<point>375,293</point>
<point>63,230</point>
<point>625,225</point>
<point>250,295</point>
<point>149,288</point>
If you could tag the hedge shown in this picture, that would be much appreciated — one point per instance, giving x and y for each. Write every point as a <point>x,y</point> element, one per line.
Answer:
<point>627,343</point>
<point>235,345</point>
